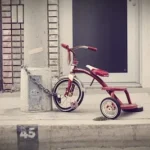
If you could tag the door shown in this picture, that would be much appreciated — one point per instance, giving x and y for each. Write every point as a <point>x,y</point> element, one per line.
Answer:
<point>109,25</point>
<point>1,84</point>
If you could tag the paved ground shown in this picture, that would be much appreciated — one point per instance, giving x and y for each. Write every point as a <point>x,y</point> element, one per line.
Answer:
<point>89,109</point>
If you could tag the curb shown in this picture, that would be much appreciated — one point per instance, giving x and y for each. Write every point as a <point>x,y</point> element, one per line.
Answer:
<point>59,135</point>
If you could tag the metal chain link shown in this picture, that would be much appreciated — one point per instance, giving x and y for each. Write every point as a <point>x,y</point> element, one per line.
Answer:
<point>40,86</point>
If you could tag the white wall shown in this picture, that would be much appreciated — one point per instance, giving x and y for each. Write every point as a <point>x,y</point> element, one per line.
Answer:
<point>145,43</point>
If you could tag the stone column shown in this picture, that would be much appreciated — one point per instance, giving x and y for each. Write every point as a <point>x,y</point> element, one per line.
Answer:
<point>35,32</point>
<point>35,56</point>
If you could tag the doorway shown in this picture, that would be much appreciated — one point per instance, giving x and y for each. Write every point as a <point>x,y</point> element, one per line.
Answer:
<point>109,25</point>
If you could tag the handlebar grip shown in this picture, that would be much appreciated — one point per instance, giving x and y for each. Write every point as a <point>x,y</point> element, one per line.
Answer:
<point>65,46</point>
<point>92,48</point>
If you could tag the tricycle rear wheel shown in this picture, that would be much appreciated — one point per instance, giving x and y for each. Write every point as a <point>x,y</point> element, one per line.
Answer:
<point>110,108</point>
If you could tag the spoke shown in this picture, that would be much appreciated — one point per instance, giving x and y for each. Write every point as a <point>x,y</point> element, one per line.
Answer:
<point>66,101</point>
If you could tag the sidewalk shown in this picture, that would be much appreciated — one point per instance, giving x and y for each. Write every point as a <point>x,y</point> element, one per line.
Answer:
<point>79,125</point>
<point>88,110</point>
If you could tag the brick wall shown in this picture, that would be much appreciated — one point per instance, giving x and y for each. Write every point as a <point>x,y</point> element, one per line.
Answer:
<point>12,42</point>
<point>53,39</point>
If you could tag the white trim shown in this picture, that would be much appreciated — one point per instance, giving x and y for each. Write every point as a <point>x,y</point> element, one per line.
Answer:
<point>140,41</point>
<point>90,67</point>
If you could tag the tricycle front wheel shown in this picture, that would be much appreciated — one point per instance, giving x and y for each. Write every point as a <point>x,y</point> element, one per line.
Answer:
<point>110,108</point>
<point>72,100</point>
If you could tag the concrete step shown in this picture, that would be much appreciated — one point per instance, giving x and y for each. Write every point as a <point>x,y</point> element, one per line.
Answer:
<point>82,133</point>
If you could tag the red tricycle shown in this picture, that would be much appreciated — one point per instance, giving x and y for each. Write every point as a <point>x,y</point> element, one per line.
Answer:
<point>70,90</point>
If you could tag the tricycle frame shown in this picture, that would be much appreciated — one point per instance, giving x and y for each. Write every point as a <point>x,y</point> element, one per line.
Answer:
<point>109,90</point>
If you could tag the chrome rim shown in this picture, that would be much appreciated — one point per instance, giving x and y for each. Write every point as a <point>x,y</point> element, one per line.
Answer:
<point>109,108</point>
<point>71,99</point>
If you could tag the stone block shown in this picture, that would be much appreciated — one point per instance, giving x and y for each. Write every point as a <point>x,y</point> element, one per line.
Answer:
<point>16,62</point>
<point>6,44</point>
<point>5,1</point>
<point>53,25</point>
<point>6,26</point>
<point>53,19</point>
<point>7,68</point>
<point>53,43</point>
<point>6,32</point>
<point>28,96</point>
<point>16,74</point>
<point>52,7</point>
<point>7,86</point>
<point>6,50</point>
<point>15,1</point>
<point>7,62</point>
<point>16,56</point>
<point>53,56</point>
<point>6,56</point>
<point>5,8</point>
<point>15,26</point>
<point>53,13</point>
<point>15,38</point>
<point>15,32</point>
<point>16,50</point>
<point>54,68</point>
<point>6,20</point>
<point>53,62</point>
<point>6,14</point>
<point>53,31</point>
<point>16,80</point>
<point>52,1</point>
<point>16,44</point>
<point>7,74</point>
<point>53,50</point>
<point>16,68</point>
<point>20,14</point>
<point>6,38</point>
<point>7,80</point>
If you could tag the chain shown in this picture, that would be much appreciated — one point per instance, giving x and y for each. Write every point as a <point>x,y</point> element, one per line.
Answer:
<point>47,91</point>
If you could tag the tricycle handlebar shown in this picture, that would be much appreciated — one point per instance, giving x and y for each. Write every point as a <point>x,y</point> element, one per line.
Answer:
<point>78,47</point>
<point>85,47</point>
<point>75,48</point>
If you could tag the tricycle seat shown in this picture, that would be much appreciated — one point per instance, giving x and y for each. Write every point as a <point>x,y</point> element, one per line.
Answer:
<point>97,71</point>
